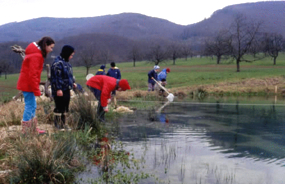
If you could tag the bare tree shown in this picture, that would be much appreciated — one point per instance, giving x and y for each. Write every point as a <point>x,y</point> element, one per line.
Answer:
<point>243,36</point>
<point>105,56</point>
<point>135,54</point>
<point>186,50</point>
<point>174,51</point>
<point>273,45</point>
<point>1,68</point>
<point>5,67</point>
<point>87,57</point>
<point>157,54</point>
<point>219,45</point>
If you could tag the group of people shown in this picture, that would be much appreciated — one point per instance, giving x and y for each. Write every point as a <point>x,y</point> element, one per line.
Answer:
<point>62,81</point>
<point>154,76</point>
<point>102,85</point>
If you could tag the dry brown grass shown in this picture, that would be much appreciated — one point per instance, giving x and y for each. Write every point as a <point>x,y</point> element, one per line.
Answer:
<point>126,95</point>
<point>266,85</point>
<point>5,147</point>
<point>11,113</point>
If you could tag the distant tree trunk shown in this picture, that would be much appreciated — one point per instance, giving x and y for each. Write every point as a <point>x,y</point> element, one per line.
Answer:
<point>87,70</point>
<point>238,61</point>
<point>135,54</point>
<point>174,61</point>
<point>5,75</point>
<point>274,60</point>
<point>218,59</point>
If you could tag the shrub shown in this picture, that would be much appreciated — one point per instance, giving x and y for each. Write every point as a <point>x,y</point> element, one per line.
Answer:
<point>44,159</point>
<point>84,114</point>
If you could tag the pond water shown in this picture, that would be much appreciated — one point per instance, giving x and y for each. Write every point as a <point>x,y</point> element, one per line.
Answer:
<point>187,142</point>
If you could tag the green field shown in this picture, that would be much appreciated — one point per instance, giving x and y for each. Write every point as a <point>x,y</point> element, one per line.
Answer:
<point>193,71</point>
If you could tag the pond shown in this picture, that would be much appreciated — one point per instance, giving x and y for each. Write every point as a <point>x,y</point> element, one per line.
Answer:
<point>191,142</point>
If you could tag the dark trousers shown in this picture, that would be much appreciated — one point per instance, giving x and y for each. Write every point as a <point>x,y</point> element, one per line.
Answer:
<point>61,107</point>
<point>100,110</point>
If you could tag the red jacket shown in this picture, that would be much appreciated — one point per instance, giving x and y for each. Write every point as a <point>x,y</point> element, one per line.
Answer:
<point>105,84</point>
<point>32,66</point>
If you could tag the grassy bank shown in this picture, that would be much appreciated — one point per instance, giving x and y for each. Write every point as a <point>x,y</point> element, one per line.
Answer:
<point>58,157</point>
<point>259,77</point>
<point>192,78</point>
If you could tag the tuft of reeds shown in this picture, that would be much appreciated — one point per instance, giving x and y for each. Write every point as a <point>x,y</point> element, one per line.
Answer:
<point>83,114</point>
<point>44,159</point>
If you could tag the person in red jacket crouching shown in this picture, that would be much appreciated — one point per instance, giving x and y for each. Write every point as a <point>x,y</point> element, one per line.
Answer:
<point>102,86</point>
<point>29,80</point>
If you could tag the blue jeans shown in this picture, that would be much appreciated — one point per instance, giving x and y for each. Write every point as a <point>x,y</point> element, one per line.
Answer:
<point>30,106</point>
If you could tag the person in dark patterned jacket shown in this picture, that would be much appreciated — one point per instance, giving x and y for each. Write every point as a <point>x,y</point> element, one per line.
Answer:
<point>152,74</point>
<point>62,81</point>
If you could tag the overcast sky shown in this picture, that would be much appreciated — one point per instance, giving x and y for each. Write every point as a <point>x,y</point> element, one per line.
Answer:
<point>182,12</point>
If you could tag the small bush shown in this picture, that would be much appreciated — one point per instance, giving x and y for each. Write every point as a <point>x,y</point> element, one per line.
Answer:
<point>44,159</point>
<point>84,114</point>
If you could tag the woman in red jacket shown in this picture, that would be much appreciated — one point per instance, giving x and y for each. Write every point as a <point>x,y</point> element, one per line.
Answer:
<point>102,86</point>
<point>30,77</point>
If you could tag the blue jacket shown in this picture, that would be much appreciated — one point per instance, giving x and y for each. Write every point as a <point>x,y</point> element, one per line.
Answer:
<point>61,76</point>
<point>114,73</point>
<point>162,75</point>
<point>100,72</point>
<point>153,74</point>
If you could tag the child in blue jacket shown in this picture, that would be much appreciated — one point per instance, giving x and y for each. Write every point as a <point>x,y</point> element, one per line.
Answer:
<point>114,72</point>
<point>162,77</point>
<point>101,71</point>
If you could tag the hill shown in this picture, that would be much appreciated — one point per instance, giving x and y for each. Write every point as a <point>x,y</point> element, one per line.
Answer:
<point>271,13</point>
<point>129,25</point>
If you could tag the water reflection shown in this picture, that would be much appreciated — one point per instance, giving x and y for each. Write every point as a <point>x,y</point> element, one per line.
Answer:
<point>244,138</point>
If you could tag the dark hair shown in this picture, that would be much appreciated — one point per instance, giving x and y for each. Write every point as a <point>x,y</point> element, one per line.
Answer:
<point>66,52</point>
<point>113,64</point>
<point>43,43</point>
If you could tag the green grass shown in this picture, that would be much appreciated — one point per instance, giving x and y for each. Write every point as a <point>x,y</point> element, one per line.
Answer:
<point>193,71</point>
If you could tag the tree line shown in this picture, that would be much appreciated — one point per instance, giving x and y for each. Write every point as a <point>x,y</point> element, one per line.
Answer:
<point>243,41</point>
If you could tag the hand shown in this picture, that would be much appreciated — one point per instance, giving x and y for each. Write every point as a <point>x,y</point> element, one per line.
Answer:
<point>106,109</point>
<point>74,85</point>
<point>59,93</point>
<point>151,77</point>
<point>109,100</point>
